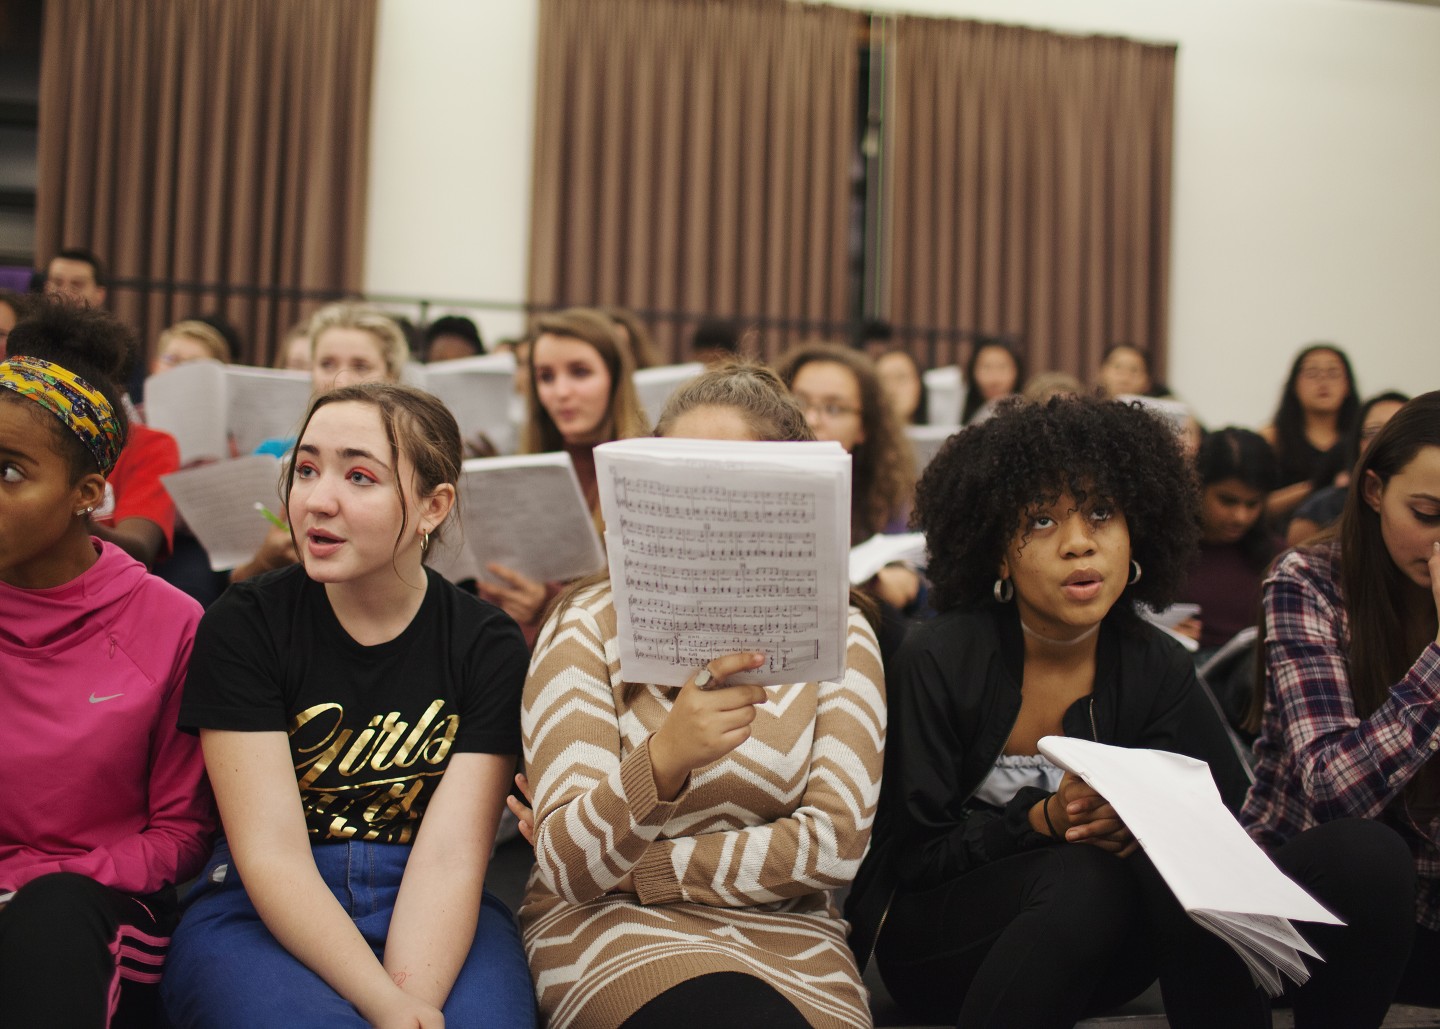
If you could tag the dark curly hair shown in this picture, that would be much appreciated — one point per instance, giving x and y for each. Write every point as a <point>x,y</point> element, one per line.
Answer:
<point>87,341</point>
<point>974,495</point>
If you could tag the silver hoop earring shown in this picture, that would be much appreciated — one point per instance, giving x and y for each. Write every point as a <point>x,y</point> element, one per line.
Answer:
<point>1134,571</point>
<point>1004,591</point>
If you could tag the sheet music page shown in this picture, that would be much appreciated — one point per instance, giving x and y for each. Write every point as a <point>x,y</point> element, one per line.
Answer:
<point>265,403</point>
<point>717,547</point>
<point>477,390</point>
<point>654,385</point>
<point>218,501</point>
<point>528,513</point>
<point>189,402</point>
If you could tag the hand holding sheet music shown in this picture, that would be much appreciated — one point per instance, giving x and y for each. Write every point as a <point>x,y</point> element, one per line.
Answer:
<point>1220,876</point>
<point>721,547</point>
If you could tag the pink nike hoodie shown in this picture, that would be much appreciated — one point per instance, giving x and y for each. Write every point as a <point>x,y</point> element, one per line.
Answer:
<point>94,776</point>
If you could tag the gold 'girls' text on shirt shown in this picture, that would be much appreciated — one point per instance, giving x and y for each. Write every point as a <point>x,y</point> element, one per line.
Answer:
<point>372,784</point>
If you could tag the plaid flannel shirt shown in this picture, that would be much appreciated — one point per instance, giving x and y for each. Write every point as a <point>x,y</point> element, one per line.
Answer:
<point>1316,760</point>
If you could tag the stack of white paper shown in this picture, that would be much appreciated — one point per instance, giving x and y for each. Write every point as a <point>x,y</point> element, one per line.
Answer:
<point>1220,876</point>
<point>866,559</point>
<point>719,547</point>
<point>528,514</point>
<point>206,404</point>
<point>653,386</point>
<point>218,502</point>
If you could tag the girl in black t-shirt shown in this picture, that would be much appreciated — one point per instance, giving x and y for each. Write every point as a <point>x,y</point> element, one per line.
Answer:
<point>391,700</point>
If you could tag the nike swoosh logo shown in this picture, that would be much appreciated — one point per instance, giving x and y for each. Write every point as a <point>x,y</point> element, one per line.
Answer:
<point>97,700</point>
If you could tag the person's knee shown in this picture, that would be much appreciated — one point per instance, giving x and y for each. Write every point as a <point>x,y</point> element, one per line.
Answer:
<point>1359,866</point>
<point>62,909</point>
<point>1090,896</point>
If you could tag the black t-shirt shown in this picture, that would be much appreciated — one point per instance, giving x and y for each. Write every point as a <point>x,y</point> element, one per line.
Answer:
<point>371,728</point>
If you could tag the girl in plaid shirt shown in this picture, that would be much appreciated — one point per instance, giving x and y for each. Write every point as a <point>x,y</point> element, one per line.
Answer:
<point>1351,706</point>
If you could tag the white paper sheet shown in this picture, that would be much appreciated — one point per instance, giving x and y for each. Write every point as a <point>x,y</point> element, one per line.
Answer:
<point>654,385</point>
<point>1216,871</point>
<point>189,402</point>
<point>718,547</point>
<point>477,390</point>
<point>1171,804</point>
<point>528,514</point>
<point>926,441</point>
<point>264,403</point>
<point>944,391</point>
<point>218,503</point>
<point>878,551</point>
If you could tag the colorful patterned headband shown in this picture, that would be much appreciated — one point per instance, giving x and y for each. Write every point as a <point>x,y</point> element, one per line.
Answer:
<point>81,406</point>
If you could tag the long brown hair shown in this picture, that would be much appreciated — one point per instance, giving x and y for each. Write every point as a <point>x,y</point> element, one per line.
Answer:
<point>883,467</point>
<point>624,418</point>
<point>1373,586</point>
<point>1373,589</point>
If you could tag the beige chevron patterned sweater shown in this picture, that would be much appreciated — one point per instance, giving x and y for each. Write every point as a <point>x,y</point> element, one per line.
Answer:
<point>733,875</point>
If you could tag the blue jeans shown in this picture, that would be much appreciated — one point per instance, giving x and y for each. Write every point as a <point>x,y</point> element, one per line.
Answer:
<point>226,970</point>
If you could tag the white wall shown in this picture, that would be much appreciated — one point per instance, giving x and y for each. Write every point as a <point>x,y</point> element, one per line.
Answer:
<point>450,153</point>
<point>1306,203</point>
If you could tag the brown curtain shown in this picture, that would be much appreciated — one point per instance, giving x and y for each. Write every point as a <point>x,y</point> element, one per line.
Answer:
<point>208,141</point>
<point>1028,190</point>
<point>693,158</point>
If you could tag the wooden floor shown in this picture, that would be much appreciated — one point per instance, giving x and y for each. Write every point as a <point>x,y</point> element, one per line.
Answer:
<point>511,865</point>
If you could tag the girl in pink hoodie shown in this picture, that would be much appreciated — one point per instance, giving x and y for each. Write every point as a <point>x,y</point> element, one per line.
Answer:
<point>104,807</point>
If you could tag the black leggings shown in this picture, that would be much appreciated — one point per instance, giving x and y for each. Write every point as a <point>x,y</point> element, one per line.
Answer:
<point>1052,935</point>
<point>1421,982</point>
<point>720,1000</point>
<point>78,955</point>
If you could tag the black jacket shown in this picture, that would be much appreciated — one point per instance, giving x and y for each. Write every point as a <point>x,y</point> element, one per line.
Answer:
<point>954,695</point>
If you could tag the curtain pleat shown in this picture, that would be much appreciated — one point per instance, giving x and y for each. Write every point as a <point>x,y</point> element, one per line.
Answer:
<point>1027,190</point>
<point>208,141</point>
<point>693,156</point>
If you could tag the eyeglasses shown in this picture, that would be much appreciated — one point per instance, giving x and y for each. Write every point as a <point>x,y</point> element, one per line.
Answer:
<point>1323,374</point>
<point>829,409</point>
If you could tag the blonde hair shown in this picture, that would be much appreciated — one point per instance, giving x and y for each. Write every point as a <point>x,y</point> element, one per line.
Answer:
<point>752,391</point>
<point>203,333</point>
<point>346,315</point>
<point>624,417</point>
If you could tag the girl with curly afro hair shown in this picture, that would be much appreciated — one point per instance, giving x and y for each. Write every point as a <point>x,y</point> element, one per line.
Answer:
<point>1008,891</point>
